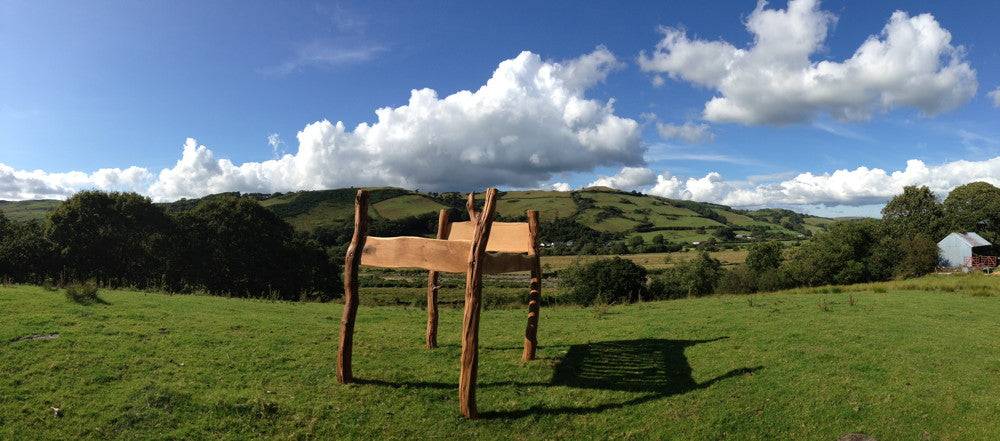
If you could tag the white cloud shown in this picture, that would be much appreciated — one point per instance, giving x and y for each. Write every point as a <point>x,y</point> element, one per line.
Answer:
<point>325,54</point>
<point>995,94</point>
<point>277,144</point>
<point>629,178</point>
<point>562,186</point>
<point>911,63</point>
<point>861,186</point>
<point>38,184</point>
<point>529,121</point>
<point>688,132</point>
<point>668,186</point>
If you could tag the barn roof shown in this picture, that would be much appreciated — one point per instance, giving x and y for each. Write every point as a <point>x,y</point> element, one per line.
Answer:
<point>973,239</point>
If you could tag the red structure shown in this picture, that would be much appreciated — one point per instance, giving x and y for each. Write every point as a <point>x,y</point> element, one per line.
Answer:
<point>981,262</point>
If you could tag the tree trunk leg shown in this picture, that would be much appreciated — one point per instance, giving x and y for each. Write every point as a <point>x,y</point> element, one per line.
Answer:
<point>432,285</point>
<point>470,353</point>
<point>352,260</point>
<point>534,298</point>
<point>534,307</point>
<point>432,309</point>
<point>473,294</point>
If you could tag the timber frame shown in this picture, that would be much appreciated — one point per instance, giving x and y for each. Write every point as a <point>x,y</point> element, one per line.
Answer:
<point>460,247</point>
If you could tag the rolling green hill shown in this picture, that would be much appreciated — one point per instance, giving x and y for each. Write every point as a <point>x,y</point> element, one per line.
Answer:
<point>602,209</point>
<point>27,210</point>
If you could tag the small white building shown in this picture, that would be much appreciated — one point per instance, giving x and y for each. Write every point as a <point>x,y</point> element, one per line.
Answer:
<point>957,248</point>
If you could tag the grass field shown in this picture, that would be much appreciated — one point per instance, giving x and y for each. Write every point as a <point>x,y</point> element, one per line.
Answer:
<point>28,210</point>
<point>905,360</point>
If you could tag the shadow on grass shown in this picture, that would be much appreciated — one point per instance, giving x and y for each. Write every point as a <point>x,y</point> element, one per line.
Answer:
<point>656,366</point>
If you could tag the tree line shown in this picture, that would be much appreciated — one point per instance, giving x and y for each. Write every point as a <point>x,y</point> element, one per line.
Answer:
<point>902,244</point>
<point>227,245</point>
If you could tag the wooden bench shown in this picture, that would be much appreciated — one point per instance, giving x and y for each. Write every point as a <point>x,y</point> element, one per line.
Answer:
<point>476,247</point>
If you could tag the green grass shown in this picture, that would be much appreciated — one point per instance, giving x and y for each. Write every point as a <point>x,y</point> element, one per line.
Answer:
<point>908,360</point>
<point>28,210</point>
<point>406,205</point>
<point>551,204</point>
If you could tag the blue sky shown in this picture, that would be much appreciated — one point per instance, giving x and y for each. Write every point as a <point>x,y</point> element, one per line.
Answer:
<point>108,85</point>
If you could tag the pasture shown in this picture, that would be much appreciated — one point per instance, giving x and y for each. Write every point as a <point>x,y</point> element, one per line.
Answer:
<point>916,359</point>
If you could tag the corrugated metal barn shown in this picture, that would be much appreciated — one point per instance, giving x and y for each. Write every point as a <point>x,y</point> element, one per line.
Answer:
<point>958,249</point>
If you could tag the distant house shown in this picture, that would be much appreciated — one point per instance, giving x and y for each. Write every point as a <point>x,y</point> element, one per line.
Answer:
<point>962,249</point>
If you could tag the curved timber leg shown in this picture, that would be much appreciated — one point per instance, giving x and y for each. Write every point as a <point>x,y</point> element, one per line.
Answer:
<point>473,295</point>
<point>352,260</point>
<point>432,286</point>
<point>534,299</point>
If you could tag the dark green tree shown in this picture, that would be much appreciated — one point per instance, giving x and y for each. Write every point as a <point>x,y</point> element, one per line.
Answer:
<point>724,234</point>
<point>658,240</point>
<point>233,245</point>
<point>696,277</point>
<point>764,256</point>
<point>614,280</point>
<point>974,207</point>
<point>115,238</point>
<point>842,254</point>
<point>915,212</point>
<point>26,255</point>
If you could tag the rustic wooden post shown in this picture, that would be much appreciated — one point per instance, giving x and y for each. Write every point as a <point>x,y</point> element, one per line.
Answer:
<point>432,286</point>
<point>473,293</point>
<point>470,206</point>
<point>351,262</point>
<point>534,298</point>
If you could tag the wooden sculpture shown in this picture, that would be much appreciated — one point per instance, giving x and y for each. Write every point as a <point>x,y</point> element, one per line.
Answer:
<point>479,246</point>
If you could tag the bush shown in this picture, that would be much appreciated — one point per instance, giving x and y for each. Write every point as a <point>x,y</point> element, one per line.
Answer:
<point>696,277</point>
<point>614,280</point>
<point>739,280</point>
<point>84,293</point>
<point>919,257</point>
<point>26,256</point>
<point>763,256</point>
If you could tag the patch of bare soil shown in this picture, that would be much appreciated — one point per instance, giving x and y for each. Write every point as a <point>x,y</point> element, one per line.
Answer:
<point>51,336</point>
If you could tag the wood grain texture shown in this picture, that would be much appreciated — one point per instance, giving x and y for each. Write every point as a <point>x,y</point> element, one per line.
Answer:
<point>469,362</point>
<point>432,286</point>
<point>416,252</point>
<point>505,237</point>
<point>499,263</point>
<point>351,261</point>
<point>535,295</point>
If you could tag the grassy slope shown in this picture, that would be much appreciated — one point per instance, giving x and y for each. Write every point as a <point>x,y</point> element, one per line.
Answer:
<point>307,210</point>
<point>905,364</point>
<point>28,210</point>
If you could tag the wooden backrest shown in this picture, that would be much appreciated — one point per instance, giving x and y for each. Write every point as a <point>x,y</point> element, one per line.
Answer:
<point>505,237</point>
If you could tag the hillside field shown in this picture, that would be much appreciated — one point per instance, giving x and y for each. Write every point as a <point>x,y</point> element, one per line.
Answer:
<point>599,208</point>
<point>915,359</point>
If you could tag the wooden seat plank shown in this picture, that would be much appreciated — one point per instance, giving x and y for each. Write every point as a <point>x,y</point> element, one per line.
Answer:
<point>505,237</point>
<point>450,256</point>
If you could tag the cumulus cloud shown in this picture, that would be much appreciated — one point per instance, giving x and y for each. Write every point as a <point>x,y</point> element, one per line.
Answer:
<point>629,178</point>
<point>910,63</point>
<point>529,121</point>
<point>38,184</point>
<point>688,132</point>
<point>860,186</point>
<point>562,186</point>
<point>995,94</point>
